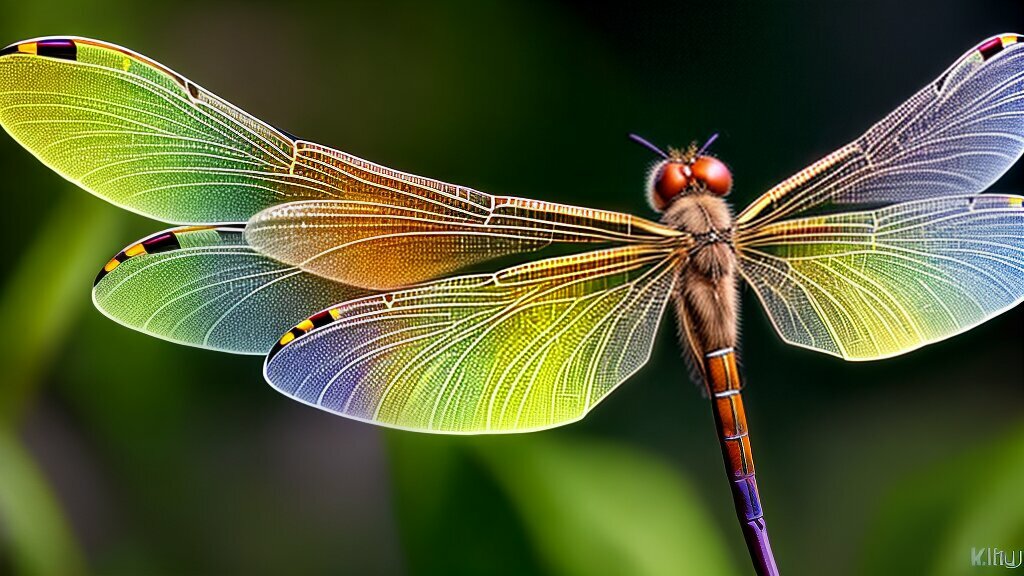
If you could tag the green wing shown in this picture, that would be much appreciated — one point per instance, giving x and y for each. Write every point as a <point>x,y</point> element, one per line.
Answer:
<point>205,287</point>
<point>143,137</point>
<point>872,284</point>
<point>530,347</point>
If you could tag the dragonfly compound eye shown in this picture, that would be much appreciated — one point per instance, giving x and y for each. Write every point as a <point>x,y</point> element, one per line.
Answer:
<point>670,179</point>
<point>714,174</point>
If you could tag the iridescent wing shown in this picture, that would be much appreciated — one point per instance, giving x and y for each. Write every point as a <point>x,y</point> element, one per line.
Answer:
<point>872,284</point>
<point>956,136</point>
<point>922,259</point>
<point>143,137</point>
<point>530,347</point>
<point>396,237</point>
<point>203,286</point>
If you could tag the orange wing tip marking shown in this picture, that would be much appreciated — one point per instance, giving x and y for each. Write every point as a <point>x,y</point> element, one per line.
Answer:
<point>318,320</point>
<point>135,250</point>
<point>55,47</point>
<point>993,46</point>
<point>160,242</point>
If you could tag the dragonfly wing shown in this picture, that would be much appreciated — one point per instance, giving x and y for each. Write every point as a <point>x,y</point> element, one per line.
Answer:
<point>141,136</point>
<point>956,136</point>
<point>396,237</point>
<point>204,286</point>
<point>872,284</point>
<point>530,347</point>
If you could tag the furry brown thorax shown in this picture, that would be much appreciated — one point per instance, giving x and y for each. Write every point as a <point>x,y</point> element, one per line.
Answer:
<point>705,295</point>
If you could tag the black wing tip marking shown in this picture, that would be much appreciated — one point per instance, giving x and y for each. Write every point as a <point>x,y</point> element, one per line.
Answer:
<point>987,50</point>
<point>318,320</point>
<point>997,44</point>
<point>61,48</point>
<point>165,241</point>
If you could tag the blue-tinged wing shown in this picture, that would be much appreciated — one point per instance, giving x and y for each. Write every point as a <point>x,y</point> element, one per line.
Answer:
<point>956,136</point>
<point>872,284</point>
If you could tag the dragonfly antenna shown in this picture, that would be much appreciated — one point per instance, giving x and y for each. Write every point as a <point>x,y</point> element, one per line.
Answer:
<point>707,144</point>
<point>643,142</point>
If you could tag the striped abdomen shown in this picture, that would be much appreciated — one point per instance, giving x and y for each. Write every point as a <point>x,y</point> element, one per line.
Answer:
<point>724,388</point>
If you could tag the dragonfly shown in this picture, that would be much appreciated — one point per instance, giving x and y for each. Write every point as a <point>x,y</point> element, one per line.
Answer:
<point>351,278</point>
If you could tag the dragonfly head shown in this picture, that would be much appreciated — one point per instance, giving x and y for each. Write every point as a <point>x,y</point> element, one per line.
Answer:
<point>688,171</point>
<point>675,177</point>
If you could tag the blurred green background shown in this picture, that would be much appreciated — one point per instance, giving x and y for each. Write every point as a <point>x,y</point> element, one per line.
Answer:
<point>125,455</point>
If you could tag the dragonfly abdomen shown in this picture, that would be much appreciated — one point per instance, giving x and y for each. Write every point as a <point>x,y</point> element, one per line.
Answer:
<point>724,387</point>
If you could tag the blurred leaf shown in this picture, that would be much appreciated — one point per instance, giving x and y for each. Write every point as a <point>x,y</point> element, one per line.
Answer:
<point>593,508</point>
<point>40,302</point>
<point>47,290</point>
<point>41,542</point>
<point>929,523</point>
<point>453,519</point>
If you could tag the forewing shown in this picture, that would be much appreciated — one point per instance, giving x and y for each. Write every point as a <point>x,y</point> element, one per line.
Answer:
<point>205,287</point>
<point>872,284</point>
<point>956,136</point>
<point>396,236</point>
<point>530,347</point>
<point>141,136</point>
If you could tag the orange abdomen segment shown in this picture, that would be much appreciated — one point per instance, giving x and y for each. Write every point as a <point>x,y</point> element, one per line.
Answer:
<point>724,388</point>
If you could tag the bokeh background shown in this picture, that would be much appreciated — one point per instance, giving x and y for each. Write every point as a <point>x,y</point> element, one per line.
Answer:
<point>125,455</point>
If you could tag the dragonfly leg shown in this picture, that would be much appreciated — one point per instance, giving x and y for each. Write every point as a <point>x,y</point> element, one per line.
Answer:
<point>724,388</point>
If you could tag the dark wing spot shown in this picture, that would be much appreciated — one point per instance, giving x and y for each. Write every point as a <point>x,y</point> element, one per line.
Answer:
<point>63,49</point>
<point>161,243</point>
<point>991,48</point>
<point>321,319</point>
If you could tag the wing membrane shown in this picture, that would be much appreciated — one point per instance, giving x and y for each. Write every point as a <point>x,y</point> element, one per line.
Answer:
<point>397,236</point>
<point>872,284</point>
<point>956,136</point>
<point>530,347</point>
<point>143,137</point>
<point>205,287</point>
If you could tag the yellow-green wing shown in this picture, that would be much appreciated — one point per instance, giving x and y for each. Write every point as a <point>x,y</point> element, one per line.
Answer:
<point>204,286</point>
<point>872,284</point>
<point>143,137</point>
<point>530,347</point>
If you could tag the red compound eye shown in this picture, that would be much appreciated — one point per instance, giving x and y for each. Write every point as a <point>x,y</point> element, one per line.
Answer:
<point>714,174</point>
<point>673,178</point>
